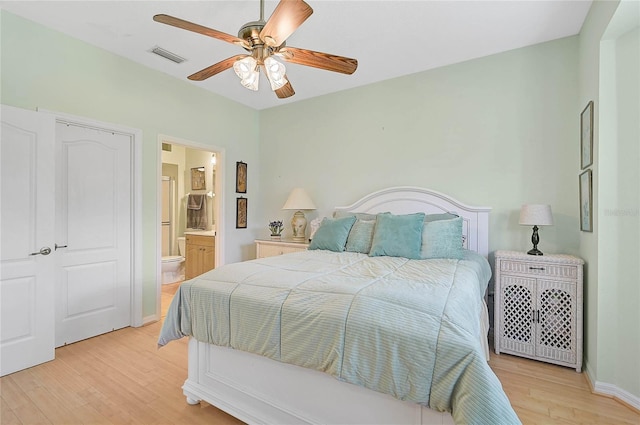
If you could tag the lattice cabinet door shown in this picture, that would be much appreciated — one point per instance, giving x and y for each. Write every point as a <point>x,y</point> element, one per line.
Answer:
<point>556,320</point>
<point>516,328</point>
<point>538,307</point>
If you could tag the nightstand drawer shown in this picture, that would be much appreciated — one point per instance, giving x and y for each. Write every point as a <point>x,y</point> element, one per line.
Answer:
<point>270,248</point>
<point>539,269</point>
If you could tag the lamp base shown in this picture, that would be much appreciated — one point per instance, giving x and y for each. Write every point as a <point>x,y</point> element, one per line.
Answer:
<point>534,251</point>
<point>535,239</point>
<point>299,226</point>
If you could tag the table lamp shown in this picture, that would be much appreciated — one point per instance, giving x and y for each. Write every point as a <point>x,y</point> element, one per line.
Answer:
<point>298,200</point>
<point>535,215</point>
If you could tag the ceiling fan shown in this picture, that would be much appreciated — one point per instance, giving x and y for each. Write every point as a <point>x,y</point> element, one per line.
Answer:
<point>264,40</point>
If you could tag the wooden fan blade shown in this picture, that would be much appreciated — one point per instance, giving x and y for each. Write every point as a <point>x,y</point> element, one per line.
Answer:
<point>285,19</point>
<point>285,91</point>
<point>216,68</point>
<point>319,60</point>
<point>190,26</point>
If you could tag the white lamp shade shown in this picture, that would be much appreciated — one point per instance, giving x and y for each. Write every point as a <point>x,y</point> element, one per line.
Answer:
<point>536,215</point>
<point>298,200</point>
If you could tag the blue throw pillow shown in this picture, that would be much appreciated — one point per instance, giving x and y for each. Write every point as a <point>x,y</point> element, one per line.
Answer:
<point>361,236</point>
<point>442,239</point>
<point>397,235</point>
<point>332,234</point>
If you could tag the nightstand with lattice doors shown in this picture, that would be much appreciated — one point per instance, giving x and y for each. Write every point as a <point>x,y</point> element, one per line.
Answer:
<point>538,307</point>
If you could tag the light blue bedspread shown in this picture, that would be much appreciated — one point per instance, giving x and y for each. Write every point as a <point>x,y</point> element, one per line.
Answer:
<point>408,328</point>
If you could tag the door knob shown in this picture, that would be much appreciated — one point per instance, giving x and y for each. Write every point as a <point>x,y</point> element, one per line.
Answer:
<point>43,251</point>
<point>59,246</point>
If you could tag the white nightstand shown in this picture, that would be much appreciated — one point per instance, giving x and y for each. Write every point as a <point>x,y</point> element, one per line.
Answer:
<point>538,307</point>
<point>270,247</point>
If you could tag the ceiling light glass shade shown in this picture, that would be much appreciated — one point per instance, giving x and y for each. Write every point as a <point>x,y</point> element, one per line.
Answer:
<point>275,71</point>
<point>247,70</point>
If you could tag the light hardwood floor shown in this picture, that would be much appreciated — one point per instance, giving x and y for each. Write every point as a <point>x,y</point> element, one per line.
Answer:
<point>122,378</point>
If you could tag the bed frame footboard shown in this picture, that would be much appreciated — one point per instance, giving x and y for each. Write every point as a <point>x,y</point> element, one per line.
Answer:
<point>258,390</point>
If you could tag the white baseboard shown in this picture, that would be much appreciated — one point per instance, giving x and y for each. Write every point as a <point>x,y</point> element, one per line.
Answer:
<point>611,390</point>
<point>150,319</point>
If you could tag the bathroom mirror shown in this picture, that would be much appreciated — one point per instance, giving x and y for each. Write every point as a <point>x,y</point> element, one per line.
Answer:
<point>197,179</point>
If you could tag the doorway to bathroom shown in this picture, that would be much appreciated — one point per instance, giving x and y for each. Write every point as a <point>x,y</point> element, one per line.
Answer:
<point>190,198</point>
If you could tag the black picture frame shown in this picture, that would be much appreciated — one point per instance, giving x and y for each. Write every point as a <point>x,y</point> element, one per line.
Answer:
<point>586,201</point>
<point>241,213</point>
<point>586,136</point>
<point>241,177</point>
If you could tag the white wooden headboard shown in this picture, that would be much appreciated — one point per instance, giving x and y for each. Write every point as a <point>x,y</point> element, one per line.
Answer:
<point>409,199</point>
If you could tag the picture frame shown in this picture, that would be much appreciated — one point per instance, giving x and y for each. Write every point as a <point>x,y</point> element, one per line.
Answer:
<point>586,136</point>
<point>586,201</point>
<point>198,181</point>
<point>241,177</point>
<point>241,213</point>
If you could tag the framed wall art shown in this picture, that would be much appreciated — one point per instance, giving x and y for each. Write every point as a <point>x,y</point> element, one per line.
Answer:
<point>198,179</point>
<point>241,213</point>
<point>241,177</point>
<point>586,136</point>
<point>586,202</point>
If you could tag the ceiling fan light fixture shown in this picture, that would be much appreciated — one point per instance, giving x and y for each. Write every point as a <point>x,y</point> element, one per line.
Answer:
<point>262,39</point>
<point>276,73</point>
<point>245,66</point>
<point>247,70</point>
<point>251,81</point>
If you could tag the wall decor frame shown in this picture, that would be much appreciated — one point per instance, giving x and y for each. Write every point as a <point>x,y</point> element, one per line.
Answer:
<point>586,136</point>
<point>241,213</point>
<point>198,181</point>
<point>586,201</point>
<point>241,177</point>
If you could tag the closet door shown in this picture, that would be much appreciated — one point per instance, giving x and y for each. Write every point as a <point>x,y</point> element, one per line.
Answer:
<point>93,231</point>
<point>26,239</point>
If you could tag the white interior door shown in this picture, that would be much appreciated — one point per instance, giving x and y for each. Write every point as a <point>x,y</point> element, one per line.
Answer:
<point>93,232</point>
<point>26,232</point>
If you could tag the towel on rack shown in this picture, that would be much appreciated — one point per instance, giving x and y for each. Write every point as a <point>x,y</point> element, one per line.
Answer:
<point>196,212</point>
<point>194,202</point>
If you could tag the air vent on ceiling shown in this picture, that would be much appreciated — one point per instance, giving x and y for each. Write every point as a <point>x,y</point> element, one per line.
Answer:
<point>166,147</point>
<point>167,54</point>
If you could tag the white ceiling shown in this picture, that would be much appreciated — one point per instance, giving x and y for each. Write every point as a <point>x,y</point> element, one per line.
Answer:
<point>389,38</point>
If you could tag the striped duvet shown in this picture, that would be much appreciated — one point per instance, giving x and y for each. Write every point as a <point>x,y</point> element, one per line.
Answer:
<point>408,328</point>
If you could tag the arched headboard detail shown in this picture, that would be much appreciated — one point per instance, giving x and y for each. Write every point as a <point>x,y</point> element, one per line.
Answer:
<point>409,199</point>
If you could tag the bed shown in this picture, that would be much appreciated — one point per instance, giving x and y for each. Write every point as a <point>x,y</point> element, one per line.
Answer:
<point>328,336</point>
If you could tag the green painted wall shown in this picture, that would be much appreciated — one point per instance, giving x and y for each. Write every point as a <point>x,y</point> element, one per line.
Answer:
<point>620,215</point>
<point>609,69</point>
<point>498,131</point>
<point>42,68</point>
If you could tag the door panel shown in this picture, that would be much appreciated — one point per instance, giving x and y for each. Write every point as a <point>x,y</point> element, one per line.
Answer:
<point>26,226</point>
<point>93,214</point>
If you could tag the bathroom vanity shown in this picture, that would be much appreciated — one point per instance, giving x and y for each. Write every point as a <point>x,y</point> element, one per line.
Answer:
<point>200,253</point>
